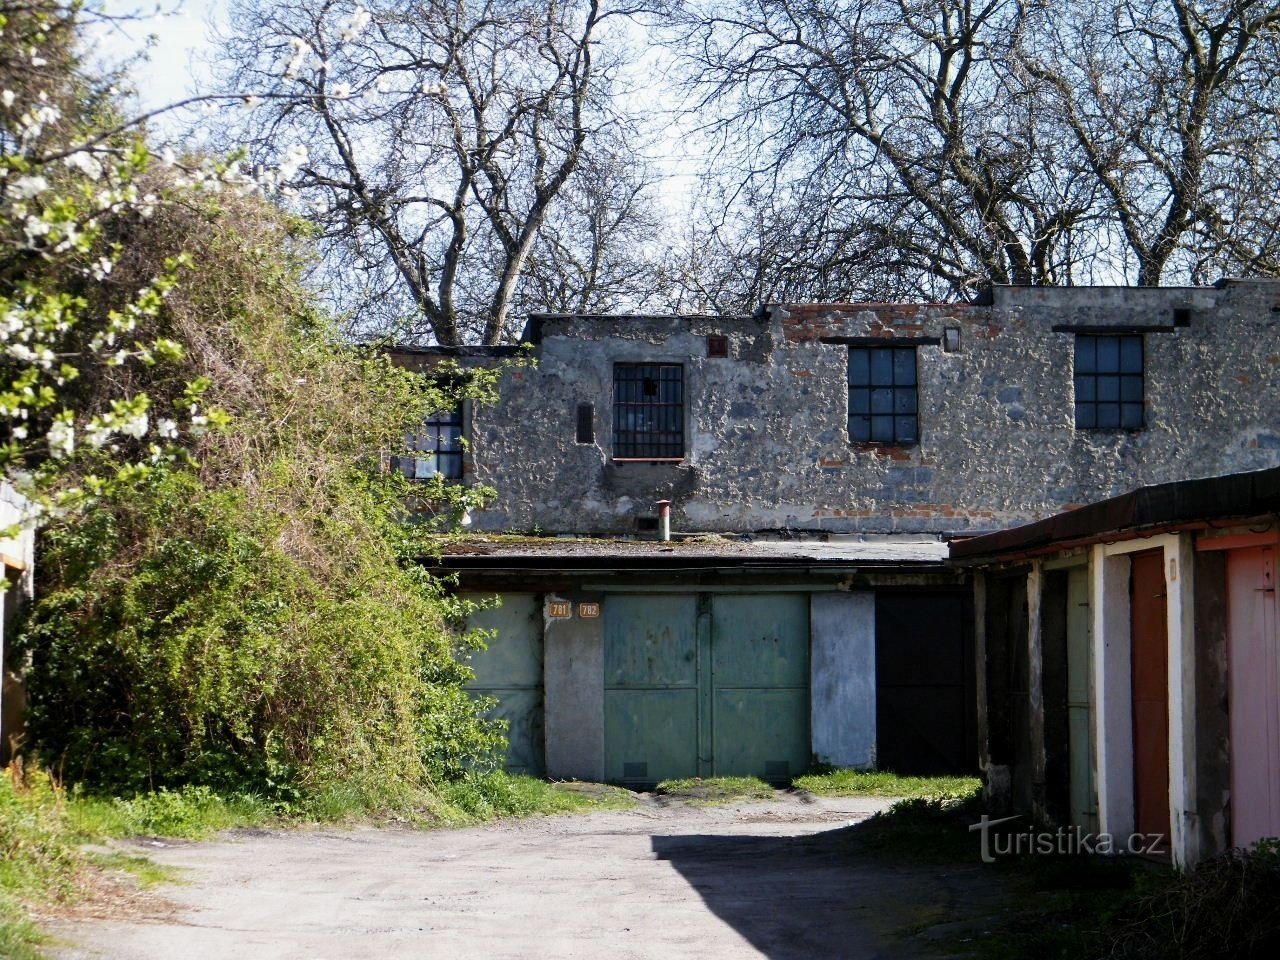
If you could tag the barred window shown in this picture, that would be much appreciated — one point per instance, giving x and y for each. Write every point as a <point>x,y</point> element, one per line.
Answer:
<point>648,411</point>
<point>437,448</point>
<point>882,395</point>
<point>1110,392</point>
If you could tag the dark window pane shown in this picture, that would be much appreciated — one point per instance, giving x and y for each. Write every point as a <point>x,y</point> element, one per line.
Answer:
<point>859,367</point>
<point>904,366</point>
<point>1131,416</point>
<point>648,411</point>
<point>881,368</point>
<point>882,400</point>
<point>906,428</point>
<point>1086,355</point>
<point>1108,388</point>
<point>859,400</point>
<point>1086,389</point>
<point>1130,354</point>
<point>1086,415</point>
<point>1108,415</point>
<point>904,401</point>
<point>1131,388</point>
<point>882,429</point>
<point>1108,354</point>
<point>860,428</point>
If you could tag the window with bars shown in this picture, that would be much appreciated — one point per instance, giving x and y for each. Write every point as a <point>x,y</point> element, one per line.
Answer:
<point>648,411</point>
<point>882,395</point>
<point>1110,392</point>
<point>436,449</point>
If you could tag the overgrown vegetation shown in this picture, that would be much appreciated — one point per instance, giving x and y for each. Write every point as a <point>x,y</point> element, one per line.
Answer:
<point>881,783</point>
<point>249,620</point>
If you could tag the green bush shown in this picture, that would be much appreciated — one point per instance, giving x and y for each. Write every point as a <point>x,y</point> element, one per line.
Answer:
<point>253,619</point>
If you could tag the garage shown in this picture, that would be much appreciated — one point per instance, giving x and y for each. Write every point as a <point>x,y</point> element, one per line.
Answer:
<point>706,685</point>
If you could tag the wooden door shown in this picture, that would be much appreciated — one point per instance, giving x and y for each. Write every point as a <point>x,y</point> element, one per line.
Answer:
<point>1150,648</point>
<point>1254,696</point>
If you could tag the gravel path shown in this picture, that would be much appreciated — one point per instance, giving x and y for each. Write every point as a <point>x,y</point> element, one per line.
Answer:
<point>665,880</point>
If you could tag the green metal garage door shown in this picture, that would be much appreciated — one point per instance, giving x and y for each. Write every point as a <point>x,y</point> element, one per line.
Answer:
<point>706,685</point>
<point>510,671</point>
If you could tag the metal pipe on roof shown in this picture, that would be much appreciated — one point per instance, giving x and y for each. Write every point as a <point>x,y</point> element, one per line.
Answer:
<point>664,520</point>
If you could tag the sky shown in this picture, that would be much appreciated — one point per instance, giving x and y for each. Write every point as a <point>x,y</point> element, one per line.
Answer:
<point>177,58</point>
<point>178,42</point>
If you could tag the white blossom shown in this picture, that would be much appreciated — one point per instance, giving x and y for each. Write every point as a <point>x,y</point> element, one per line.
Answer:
<point>86,163</point>
<point>293,62</point>
<point>62,439</point>
<point>97,434</point>
<point>35,228</point>
<point>136,426</point>
<point>354,25</point>
<point>167,429</point>
<point>294,158</point>
<point>24,188</point>
<point>7,97</point>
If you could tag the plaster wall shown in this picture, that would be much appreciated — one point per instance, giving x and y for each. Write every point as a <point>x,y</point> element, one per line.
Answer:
<point>766,435</point>
<point>843,678</point>
<point>573,675</point>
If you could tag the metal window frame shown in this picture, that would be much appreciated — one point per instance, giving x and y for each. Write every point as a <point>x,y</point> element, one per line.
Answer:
<point>897,438</point>
<point>647,444</point>
<point>437,452</point>
<point>1087,411</point>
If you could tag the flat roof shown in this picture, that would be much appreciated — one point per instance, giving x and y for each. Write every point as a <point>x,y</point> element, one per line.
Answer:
<point>1236,495</point>
<point>479,552</point>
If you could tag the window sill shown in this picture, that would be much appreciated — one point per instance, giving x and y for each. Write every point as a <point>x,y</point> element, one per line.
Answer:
<point>649,459</point>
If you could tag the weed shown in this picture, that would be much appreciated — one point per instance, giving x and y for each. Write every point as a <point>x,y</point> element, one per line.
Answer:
<point>716,789</point>
<point>880,783</point>
<point>483,796</point>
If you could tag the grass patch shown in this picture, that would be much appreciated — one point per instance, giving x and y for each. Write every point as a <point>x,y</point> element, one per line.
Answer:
<point>716,789</point>
<point>488,796</point>
<point>146,873</point>
<point>39,861</point>
<point>190,812</point>
<point>879,783</point>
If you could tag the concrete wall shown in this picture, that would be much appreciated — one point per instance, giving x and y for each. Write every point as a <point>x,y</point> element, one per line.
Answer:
<point>573,668</point>
<point>843,685</point>
<point>766,429</point>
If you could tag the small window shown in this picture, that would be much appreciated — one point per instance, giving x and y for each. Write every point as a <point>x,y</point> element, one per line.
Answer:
<point>586,427</point>
<point>437,449</point>
<point>717,346</point>
<point>1109,382</point>
<point>648,411</point>
<point>882,395</point>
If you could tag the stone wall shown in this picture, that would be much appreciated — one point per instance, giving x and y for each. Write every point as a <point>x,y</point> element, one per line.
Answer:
<point>766,429</point>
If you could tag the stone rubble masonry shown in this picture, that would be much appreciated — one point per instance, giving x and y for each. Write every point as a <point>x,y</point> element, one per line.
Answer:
<point>766,429</point>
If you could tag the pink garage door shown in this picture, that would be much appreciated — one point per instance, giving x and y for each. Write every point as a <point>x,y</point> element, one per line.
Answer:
<point>1254,694</point>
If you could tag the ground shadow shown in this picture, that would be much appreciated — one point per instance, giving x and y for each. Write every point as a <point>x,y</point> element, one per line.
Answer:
<point>824,895</point>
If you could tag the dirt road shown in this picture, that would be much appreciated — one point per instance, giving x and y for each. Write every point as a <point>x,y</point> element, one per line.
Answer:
<point>668,881</point>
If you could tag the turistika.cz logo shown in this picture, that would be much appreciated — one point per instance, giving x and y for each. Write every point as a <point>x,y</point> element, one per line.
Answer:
<point>1063,841</point>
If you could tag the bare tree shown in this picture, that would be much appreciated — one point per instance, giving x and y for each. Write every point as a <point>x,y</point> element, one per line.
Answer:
<point>430,140</point>
<point>928,147</point>
<point>1174,107</point>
